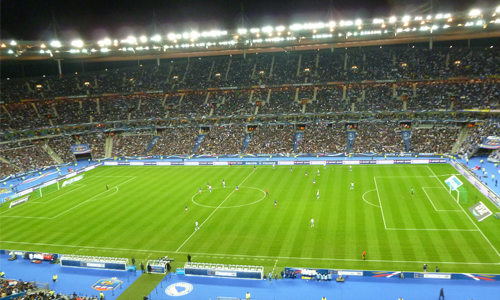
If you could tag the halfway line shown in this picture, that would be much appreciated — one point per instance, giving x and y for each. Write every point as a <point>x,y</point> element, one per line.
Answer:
<point>217,208</point>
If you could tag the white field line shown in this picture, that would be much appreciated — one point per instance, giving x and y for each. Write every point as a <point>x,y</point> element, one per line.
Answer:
<point>106,196</point>
<point>380,202</point>
<point>251,256</point>
<point>33,202</point>
<point>44,202</point>
<point>496,251</point>
<point>431,229</point>
<point>275,263</point>
<point>217,208</point>
<point>23,217</point>
<point>367,201</point>
<point>445,210</point>
<point>111,176</point>
<point>88,200</point>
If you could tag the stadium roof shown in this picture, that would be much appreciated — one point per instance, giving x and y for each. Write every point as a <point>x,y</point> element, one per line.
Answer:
<point>342,33</point>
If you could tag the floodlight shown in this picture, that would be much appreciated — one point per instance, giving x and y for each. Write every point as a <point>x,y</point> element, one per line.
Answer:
<point>358,22</point>
<point>331,24</point>
<point>77,43</point>
<point>296,27</point>
<point>143,39</point>
<point>242,31</point>
<point>429,17</point>
<point>13,43</point>
<point>446,26</point>
<point>130,40</point>
<point>84,50</point>
<point>104,50</point>
<point>497,10</point>
<point>480,23</point>
<point>267,29</point>
<point>280,28</point>
<point>378,21</point>
<point>105,42</point>
<point>10,51</point>
<point>418,18</point>
<point>475,13</point>
<point>446,16</point>
<point>406,18</point>
<point>3,46</point>
<point>254,30</point>
<point>42,46</point>
<point>195,35</point>
<point>156,38</point>
<point>55,44</point>
<point>392,20</point>
<point>439,16</point>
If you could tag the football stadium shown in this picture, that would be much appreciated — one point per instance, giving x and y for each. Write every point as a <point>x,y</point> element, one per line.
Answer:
<point>334,159</point>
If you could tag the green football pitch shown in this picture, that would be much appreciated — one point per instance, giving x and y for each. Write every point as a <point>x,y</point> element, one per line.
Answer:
<point>143,215</point>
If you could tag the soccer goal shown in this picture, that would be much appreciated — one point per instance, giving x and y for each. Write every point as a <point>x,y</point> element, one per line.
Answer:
<point>456,185</point>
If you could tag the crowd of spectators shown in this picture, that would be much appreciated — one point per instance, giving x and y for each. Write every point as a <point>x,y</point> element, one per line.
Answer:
<point>130,145</point>
<point>272,139</point>
<point>11,287</point>
<point>282,101</point>
<point>476,136</point>
<point>175,141</point>
<point>96,142</point>
<point>433,140</point>
<point>28,158</point>
<point>378,138</point>
<point>367,97</point>
<point>323,138</point>
<point>341,65</point>
<point>223,140</point>
<point>61,145</point>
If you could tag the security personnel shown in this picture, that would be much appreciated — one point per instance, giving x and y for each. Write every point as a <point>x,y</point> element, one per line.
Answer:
<point>101,295</point>
<point>51,293</point>
<point>54,278</point>
<point>2,274</point>
<point>248,295</point>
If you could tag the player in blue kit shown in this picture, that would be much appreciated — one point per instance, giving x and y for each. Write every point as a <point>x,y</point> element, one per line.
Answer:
<point>314,181</point>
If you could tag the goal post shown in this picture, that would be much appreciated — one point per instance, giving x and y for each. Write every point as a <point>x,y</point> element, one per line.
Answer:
<point>454,184</point>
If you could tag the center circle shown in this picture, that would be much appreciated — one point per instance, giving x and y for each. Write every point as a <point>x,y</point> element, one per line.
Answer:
<point>241,188</point>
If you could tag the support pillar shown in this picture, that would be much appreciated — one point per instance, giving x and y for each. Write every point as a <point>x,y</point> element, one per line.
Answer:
<point>244,54</point>
<point>158,60</point>
<point>431,43</point>
<point>332,47</point>
<point>59,66</point>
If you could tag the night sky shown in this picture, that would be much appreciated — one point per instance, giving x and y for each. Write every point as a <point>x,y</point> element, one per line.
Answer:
<point>97,19</point>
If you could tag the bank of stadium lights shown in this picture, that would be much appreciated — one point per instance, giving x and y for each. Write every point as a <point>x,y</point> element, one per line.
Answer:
<point>130,40</point>
<point>392,20</point>
<point>378,21</point>
<point>242,31</point>
<point>143,39</point>
<point>77,43</point>
<point>280,28</point>
<point>475,13</point>
<point>156,38</point>
<point>55,44</point>
<point>13,43</point>
<point>105,42</point>
<point>267,29</point>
